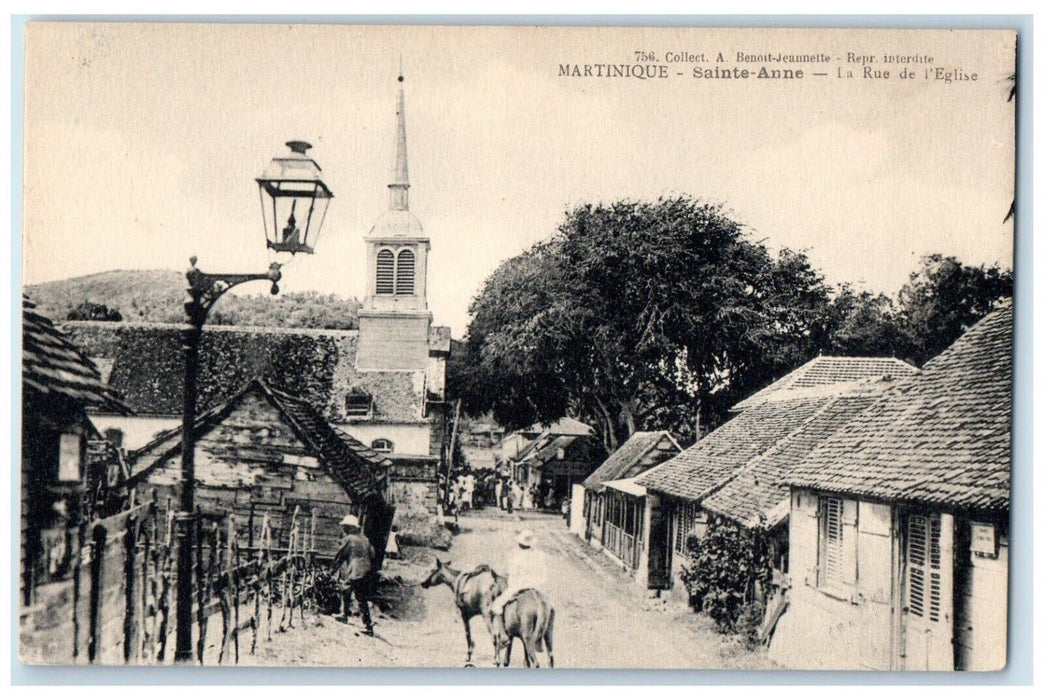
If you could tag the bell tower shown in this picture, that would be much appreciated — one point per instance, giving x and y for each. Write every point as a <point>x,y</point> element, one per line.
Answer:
<point>394,320</point>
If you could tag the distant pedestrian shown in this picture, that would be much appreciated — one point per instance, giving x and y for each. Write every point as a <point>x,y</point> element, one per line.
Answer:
<point>353,568</point>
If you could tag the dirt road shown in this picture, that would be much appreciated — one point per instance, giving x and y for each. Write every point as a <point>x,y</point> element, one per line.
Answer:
<point>602,620</point>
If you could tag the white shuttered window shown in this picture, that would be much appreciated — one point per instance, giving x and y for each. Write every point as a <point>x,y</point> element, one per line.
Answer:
<point>838,542</point>
<point>831,541</point>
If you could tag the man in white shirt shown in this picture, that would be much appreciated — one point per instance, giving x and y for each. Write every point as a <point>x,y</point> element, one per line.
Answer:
<point>527,569</point>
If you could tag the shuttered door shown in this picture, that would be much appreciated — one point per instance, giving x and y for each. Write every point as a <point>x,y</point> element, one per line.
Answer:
<point>922,556</point>
<point>404,272</point>
<point>929,592</point>
<point>385,272</point>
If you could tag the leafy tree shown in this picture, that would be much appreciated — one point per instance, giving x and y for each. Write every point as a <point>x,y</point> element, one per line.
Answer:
<point>944,298</point>
<point>863,324</point>
<point>89,311</point>
<point>639,315</point>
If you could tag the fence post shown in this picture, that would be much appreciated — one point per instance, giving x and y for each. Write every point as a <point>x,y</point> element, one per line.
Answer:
<point>144,633</point>
<point>234,563</point>
<point>201,620</point>
<point>98,537</point>
<point>77,592</point>
<point>130,613</point>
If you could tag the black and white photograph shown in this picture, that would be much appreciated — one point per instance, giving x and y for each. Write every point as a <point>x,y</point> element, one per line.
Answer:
<point>367,346</point>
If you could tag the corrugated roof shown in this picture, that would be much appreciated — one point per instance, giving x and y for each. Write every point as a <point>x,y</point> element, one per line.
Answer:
<point>942,437</point>
<point>629,486</point>
<point>53,366</point>
<point>622,463</point>
<point>753,496</point>
<point>824,372</point>
<point>348,461</point>
<point>704,465</point>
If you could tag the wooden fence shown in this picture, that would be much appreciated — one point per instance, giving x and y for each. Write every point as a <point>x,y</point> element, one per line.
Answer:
<point>118,604</point>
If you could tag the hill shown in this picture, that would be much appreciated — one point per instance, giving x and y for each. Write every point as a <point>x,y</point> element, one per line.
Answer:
<point>158,295</point>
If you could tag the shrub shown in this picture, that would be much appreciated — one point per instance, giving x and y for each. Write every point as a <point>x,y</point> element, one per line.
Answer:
<point>726,565</point>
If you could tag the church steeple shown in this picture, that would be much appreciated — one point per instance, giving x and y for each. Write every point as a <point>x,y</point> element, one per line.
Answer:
<point>400,184</point>
<point>394,321</point>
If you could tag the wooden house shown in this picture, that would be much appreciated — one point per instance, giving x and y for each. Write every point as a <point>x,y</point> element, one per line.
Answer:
<point>608,507</point>
<point>899,522</point>
<point>265,452</point>
<point>59,383</point>
<point>551,464</point>
<point>678,488</point>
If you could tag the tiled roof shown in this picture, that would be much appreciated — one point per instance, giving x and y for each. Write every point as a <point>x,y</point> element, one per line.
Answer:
<point>824,372</point>
<point>942,437</point>
<point>52,365</point>
<point>702,467</point>
<point>147,367</point>
<point>349,462</point>
<point>755,496</point>
<point>628,460</point>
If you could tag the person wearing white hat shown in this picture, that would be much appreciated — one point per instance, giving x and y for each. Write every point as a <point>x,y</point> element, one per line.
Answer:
<point>353,567</point>
<point>528,569</point>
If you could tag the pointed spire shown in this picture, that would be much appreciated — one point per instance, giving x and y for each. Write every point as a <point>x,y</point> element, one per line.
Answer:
<point>400,183</point>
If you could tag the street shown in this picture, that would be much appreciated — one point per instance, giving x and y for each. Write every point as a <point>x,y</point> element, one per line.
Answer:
<point>601,619</point>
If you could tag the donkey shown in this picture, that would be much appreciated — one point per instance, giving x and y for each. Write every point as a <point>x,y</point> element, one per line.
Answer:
<point>531,618</point>
<point>474,592</point>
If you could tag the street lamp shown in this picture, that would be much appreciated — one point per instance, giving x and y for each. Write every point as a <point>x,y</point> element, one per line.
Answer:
<point>294,200</point>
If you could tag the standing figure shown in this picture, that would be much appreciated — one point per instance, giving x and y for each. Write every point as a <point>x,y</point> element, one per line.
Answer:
<point>498,493</point>
<point>353,568</point>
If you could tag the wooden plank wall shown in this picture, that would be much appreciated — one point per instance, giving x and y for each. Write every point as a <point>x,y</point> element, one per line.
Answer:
<point>252,462</point>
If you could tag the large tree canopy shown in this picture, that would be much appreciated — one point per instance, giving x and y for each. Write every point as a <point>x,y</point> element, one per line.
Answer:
<point>661,315</point>
<point>637,314</point>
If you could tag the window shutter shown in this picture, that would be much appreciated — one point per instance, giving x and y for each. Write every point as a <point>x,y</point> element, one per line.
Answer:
<point>850,539</point>
<point>404,272</point>
<point>385,272</point>
<point>831,558</point>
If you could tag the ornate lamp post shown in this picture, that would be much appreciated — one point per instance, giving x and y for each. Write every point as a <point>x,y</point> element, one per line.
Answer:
<point>293,192</point>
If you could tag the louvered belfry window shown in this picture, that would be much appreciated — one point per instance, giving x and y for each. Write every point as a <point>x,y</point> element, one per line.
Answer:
<point>405,270</point>
<point>924,566</point>
<point>385,272</point>
<point>832,541</point>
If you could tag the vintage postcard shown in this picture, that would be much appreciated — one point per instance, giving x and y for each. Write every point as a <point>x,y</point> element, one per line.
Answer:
<point>437,346</point>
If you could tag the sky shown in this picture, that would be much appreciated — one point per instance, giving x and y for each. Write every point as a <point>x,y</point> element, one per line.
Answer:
<point>143,142</point>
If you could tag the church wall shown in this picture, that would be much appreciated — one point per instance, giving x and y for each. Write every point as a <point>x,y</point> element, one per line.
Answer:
<point>393,342</point>
<point>407,439</point>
